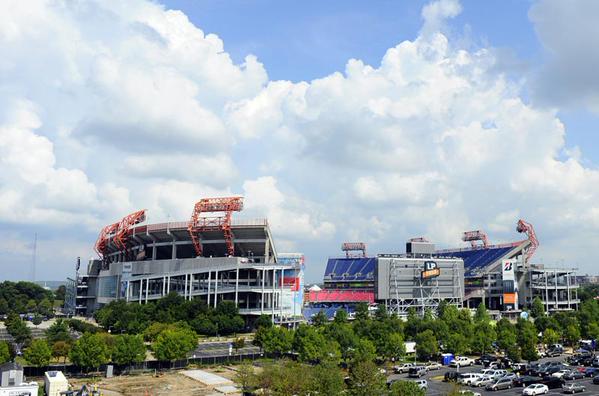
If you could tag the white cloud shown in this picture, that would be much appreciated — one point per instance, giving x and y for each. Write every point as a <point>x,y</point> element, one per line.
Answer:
<point>130,106</point>
<point>568,30</point>
<point>288,216</point>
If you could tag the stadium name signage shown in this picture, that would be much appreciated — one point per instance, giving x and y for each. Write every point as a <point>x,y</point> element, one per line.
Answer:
<point>431,270</point>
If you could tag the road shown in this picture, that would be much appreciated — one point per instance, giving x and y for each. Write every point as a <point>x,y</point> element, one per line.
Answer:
<point>439,388</point>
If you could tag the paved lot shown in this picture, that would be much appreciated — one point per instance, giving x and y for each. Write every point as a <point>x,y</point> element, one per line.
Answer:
<point>216,349</point>
<point>439,388</point>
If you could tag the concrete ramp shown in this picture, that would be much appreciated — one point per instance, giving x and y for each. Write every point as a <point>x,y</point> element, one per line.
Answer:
<point>207,378</point>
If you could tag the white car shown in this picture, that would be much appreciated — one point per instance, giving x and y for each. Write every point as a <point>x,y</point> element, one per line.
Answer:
<point>469,393</point>
<point>468,378</point>
<point>432,366</point>
<point>561,373</point>
<point>422,384</point>
<point>482,381</point>
<point>535,389</point>
<point>461,361</point>
<point>403,368</point>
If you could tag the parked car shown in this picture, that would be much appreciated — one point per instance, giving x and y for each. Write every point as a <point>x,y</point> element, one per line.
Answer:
<point>535,389</point>
<point>596,380</point>
<point>498,373</point>
<point>591,371</point>
<point>433,366</point>
<point>422,384</point>
<point>511,376</point>
<point>417,371</point>
<point>403,368</point>
<point>451,376</point>
<point>595,361</point>
<point>573,388</point>
<point>553,382</point>
<point>468,378</point>
<point>560,373</point>
<point>461,361</point>
<point>525,380</point>
<point>573,375</point>
<point>482,381</point>
<point>502,383</point>
<point>468,393</point>
<point>519,367</point>
<point>484,360</point>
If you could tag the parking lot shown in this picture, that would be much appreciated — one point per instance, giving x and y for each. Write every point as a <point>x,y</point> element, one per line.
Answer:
<point>436,386</point>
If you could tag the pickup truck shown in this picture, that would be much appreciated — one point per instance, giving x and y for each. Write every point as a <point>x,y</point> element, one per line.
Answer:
<point>461,361</point>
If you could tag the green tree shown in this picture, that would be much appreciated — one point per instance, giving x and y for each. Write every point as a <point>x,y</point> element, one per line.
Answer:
<point>394,346</point>
<point>4,352</point>
<point>238,344</point>
<point>60,349</point>
<point>572,335</point>
<point>174,344</point>
<point>37,320</point>
<point>406,388</point>
<point>426,345</point>
<point>483,337</point>
<point>327,379</point>
<point>90,351</point>
<point>366,380</point>
<point>362,312</point>
<point>246,378</point>
<point>60,293</point>
<point>550,337</point>
<point>58,331</point>
<point>18,329</point>
<point>263,321</point>
<point>340,316</point>
<point>364,351</point>
<point>45,307</point>
<point>277,340</point>
<point>128,349</point>
<point>537,309</point>
<point>506,334</point>
<point>527,340</point>
<point>320,319</point>
<point>38,353</point>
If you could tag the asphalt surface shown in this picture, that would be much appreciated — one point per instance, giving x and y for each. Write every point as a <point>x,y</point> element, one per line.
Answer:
<point>436,386</point>
<point>218,349</point>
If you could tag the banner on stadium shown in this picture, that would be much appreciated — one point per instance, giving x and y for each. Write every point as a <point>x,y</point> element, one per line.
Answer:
<point>510,286</point>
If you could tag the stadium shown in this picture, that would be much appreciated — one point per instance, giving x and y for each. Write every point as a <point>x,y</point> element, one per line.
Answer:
<point>501,276</point>
<point>212,257</point>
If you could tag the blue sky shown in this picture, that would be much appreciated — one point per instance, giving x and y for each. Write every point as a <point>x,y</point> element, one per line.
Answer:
<point>337,120</point>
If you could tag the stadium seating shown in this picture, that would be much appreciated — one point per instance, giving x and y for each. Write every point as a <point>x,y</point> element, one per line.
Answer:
<point>350,269</point>
<point>476,259</point>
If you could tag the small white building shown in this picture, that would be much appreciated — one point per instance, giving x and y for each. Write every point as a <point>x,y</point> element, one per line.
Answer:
<point>12,381</point>
<point>55,382</point>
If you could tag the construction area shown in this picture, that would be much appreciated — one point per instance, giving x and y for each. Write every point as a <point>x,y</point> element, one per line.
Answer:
<point>208,381</point>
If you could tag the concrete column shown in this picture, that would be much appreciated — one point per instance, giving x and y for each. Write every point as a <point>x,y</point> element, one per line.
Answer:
<point>546,291</point>
<point>556,290</point>
<point>163,285</point>
<point>185,288</point>
<point>190,285</point>
<point>281,295</point>
<point>272,305</point>
<point>127,291</point>
<point>215,287</point>
<point>147,288</point>
<point>168,284</point>
<point>209,277</point>
<point>237,284</point>
<point>263,279</point>
<point>141,286</point>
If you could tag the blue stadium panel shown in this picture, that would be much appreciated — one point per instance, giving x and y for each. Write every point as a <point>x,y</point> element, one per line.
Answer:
<point>350,269</point>
<point>478,258</point>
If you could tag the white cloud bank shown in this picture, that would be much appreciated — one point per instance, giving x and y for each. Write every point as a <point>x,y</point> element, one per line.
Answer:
<point>131,106</point>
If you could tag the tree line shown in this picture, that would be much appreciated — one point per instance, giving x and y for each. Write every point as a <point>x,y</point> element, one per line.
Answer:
<point>133,318</point>
<point>24,298</point>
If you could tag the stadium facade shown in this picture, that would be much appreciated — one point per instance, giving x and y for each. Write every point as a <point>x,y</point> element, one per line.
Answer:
<point>501,276</point>
<point>209,258</point>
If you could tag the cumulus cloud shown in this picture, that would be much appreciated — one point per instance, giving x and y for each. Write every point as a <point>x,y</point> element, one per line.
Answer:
<point>568,31</point>
<point>131,106</point>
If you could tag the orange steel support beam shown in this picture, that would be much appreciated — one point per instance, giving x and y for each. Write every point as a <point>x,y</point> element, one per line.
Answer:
<point>197,224</point>
<point>527,228</point>
<point>124,231</point>
<point>103,238</point>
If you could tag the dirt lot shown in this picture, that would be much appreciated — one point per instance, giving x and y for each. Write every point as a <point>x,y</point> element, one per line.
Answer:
<point>169,383</point>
